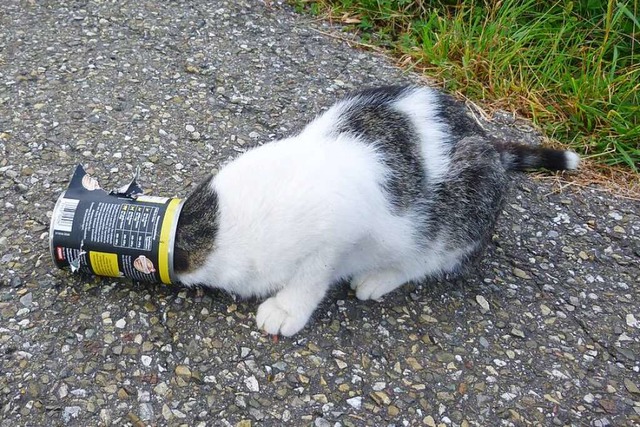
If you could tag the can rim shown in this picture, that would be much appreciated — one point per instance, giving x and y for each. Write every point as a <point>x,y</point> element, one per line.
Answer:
<point>172,241</point>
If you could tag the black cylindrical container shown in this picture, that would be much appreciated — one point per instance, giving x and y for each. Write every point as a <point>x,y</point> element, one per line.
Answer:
<point>117,234</point>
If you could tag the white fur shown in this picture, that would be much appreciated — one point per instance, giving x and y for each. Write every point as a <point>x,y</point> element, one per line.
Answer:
<point>299,214</point>
<point>419,106</point>
<point>572,159</point>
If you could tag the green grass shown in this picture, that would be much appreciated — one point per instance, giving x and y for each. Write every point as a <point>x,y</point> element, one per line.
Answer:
<point>571,66</point>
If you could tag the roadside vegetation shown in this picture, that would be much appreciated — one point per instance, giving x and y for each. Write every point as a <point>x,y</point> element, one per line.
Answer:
<point>573,67</point>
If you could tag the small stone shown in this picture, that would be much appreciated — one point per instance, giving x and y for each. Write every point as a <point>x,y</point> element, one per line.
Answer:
<point>146,360</point>
<point>146,411</point>
<point>517,333</point>
<point>355,402</point>
<point>500,363</point>
<point>545,310</point>
<point>190,128</point>
<point>608,405</point>
<point>166,412</point>
<point>380,385</point>
<point>393,411</point>
<point>413,363</point>
<point>183,371</point>
<point>244,423</point>
<point>27,299</point>
<point>252,384</point>
<point>631,386</point>
<point>429,421</point>
<point>589,398</point>
<point>380,397</point>
<point>70,412</point>
<point>521,274</point>
<point>445,357</point>
<point>121,323</point>
<point>632,321</point>
<point>320,398</point>
<point>162,389</point>
<point>484,304</point>
<point>428,319</point>
<point>63,390</point>
<point>583,255</point>
<point>122,394</point>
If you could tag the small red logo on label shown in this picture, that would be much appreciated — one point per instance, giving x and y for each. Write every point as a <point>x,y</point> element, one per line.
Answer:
<point>59,253</point>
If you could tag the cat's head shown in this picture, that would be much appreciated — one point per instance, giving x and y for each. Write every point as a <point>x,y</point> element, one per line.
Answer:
<point>197,228</point>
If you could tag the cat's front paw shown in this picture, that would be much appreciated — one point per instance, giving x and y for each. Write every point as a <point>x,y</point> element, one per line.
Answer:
<point>276,319</point>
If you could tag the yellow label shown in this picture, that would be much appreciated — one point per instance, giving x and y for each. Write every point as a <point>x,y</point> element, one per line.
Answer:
<point>104,264</point>
<point>165,239</point>
<point>152,199</point>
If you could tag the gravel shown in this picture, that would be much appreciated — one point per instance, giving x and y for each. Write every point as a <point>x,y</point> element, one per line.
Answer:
<point>544,330</point>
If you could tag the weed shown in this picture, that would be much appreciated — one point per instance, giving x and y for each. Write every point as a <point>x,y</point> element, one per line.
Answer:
<point>571,66</point>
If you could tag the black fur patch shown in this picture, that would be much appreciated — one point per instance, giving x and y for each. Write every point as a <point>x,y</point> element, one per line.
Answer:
<point>465,206</point>
<point>197,228</point>
<point>372,118</point>
<point>522,157</point>
<point>456,116</point>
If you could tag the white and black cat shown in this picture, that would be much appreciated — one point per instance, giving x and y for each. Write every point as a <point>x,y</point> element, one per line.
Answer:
<point>388,186</point>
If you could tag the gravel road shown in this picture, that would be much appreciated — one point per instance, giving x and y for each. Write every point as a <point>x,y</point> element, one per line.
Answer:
<point>544,331</point>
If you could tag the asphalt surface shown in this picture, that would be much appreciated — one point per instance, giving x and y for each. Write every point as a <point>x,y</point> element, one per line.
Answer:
<point>544,331</point>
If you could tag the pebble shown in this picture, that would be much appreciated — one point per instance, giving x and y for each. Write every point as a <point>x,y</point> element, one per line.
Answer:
<point>26,299</point>
<point>381,398</point>
<point>121,323</point>
<point>70,412</point>
<point>252,384</point>
<point>484,304</point>
<point>146,411</point>
<point>517,333</point>
<point>167,414</point>
<point>146,360</point>
<point>545,310</point>
<point>378,386</point>
<point>190,128</point>
<point>632,321</point>
<point>631,386</point>
<point>355,402</point>
<point>162,389</point>
<point>183,371</point>
<point>521,273</point>
<point>429,421</point>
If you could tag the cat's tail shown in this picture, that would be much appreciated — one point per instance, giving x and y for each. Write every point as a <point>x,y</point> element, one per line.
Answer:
<point>523,157</point>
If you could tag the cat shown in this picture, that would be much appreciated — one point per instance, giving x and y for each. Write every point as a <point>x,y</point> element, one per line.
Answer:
<point>390,185</point>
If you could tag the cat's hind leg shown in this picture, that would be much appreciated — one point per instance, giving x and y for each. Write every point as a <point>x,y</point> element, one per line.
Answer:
<point>375,284</point>
<point>289,310</point>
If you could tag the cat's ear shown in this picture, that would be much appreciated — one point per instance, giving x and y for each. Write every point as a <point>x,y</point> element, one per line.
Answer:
<point>180,259</point>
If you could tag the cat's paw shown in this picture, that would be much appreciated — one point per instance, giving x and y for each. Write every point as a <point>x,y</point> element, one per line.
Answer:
<point>276,319</point>
<point>375,285</point>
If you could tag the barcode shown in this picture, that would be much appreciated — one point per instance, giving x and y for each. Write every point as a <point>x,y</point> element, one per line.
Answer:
<point>65,213</point>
